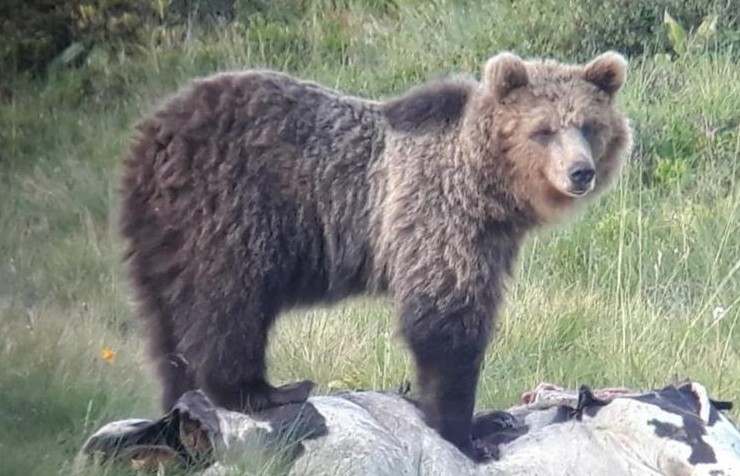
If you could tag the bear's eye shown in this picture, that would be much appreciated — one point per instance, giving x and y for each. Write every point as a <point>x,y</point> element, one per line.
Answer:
<point>589,131</point>
<point>543,135</point>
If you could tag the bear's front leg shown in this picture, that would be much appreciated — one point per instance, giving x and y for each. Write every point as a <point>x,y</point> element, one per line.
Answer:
<point>447,390</point>
<point>448,343</point>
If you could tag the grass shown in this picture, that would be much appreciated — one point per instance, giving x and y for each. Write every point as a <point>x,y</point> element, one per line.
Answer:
<point>642,288</point>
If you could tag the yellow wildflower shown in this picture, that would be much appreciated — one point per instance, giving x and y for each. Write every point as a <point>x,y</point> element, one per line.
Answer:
<point>108,354</point>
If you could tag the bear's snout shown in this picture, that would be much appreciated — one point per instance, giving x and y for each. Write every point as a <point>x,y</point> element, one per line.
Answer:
<point>581,176</point>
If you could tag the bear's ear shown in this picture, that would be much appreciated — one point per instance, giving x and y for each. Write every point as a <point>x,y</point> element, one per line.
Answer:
<point>607,71</point>
<point>503,73</point>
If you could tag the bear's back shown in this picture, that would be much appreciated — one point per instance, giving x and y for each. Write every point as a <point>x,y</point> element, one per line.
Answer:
<point>256,160</point>
<point>258,108</point>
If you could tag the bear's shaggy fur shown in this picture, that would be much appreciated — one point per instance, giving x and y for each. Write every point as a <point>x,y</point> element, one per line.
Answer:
<point>248,193</point>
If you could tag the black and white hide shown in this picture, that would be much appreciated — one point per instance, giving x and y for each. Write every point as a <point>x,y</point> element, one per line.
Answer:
<point>676,430</point>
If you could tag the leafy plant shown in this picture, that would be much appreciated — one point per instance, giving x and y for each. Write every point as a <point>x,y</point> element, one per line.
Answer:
<point>680,41</point>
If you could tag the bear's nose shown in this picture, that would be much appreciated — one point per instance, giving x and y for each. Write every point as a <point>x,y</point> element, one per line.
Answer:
<point>581,175</point>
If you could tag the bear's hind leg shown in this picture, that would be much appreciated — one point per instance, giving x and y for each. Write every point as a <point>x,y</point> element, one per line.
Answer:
<point>176,379</point>
<point>232,366</point>
<point>172,367</point>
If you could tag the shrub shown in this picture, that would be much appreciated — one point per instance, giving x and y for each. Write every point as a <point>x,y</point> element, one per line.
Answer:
<point>629,26</point>
<point>33,32</point>
<point>116,22</point>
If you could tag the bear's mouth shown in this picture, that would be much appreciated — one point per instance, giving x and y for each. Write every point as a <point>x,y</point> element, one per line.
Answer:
<point>580,191</point>
<point>577,193</point>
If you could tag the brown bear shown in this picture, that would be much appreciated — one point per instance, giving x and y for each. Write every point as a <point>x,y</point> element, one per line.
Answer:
<point>252,192</point>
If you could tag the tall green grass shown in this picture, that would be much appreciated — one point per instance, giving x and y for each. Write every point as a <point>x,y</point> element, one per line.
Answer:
<point>641,288</point>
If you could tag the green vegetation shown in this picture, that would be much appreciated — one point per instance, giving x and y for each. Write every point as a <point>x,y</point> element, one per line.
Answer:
<point>644,287</point>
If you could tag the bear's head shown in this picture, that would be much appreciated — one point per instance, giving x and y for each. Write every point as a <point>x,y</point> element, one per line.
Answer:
<point>547,134</point>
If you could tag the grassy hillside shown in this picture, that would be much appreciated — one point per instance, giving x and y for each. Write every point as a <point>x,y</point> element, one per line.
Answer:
<point>642,288</point>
